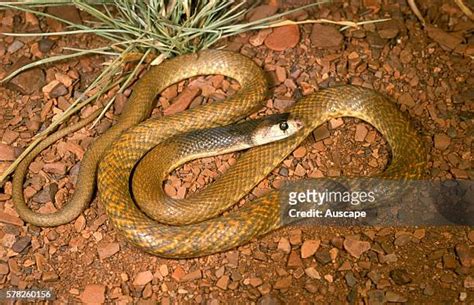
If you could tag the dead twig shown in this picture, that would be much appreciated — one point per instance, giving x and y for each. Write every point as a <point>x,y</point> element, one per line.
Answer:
<point>465,9</point>
<point>416,11</point>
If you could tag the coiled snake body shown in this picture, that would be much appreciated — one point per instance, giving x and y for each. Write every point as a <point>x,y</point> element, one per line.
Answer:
<point>203,231</point>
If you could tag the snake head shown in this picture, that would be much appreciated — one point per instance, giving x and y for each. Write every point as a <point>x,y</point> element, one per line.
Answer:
<point>276,127</point>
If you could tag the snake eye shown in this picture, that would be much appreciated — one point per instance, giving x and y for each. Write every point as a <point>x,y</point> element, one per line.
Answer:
<point>284,126</point>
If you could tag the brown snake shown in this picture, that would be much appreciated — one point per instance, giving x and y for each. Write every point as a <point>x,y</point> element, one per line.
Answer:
<point>118,152</point>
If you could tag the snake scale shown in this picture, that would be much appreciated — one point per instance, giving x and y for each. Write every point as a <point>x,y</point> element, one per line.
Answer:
<point>195,226</point>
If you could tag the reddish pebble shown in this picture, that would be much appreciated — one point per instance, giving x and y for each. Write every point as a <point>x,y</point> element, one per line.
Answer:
<point>55,168</point>
<point>10,219</point>
<point>178,274</point>
<point>7,153</point>
<point>325,36</point>
<point>300,152</point>
<point>93,294</point>
<point>356,247</point>
<point>309,247</point>
<point>294,260</point>
<point>283,283</point>
<point>441,141</point>
<point>107,249</point>
<point>195,275</point>
<point>284,245</point>
<point>223,282</point>
<point>261,12</point>
<point>282,38</point>
<point>182,101</point>
<point>143,278</point>
<point>361,133</point>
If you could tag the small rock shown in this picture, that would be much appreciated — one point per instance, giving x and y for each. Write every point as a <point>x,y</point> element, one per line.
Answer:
<point>58,90</point>
<point>28,81</point>
<point>350,279</point>
<point>262,11</point>
<point>449,261</point>
<point>178,274</point>
<point>361,133</point>
<point>391,296</point>
<point>406,56</point>
<point>329,278</point>
<point>58,168</point>
<point>441,141</point>
<point>294,260</point>
<point>402,240</point>
<point>259,38</point>
<point>335,123</point>
<point>283,283</point>
<point>295,237</point>
<point>325,36</point>
<point>45,45</point>
<point>147,291</point>
<point>170,92</point>
<point>164,270</point>
<point>419,233</point>
<point>233,259</point>
<point>106,250</point>
<point>447,278</point>
<point>93,294</point>
<point>282,38</point>
<point>21,244</point>
<point>375,41</point>
<point>66,12</point>
<point>80,223</point>
<point>15,46</point>
<point>280,73</point>
<point>323,257</point>
<point>407,100</point>
<point>428,290</point>
<point>265,288</point>
<point>312,273</point>
<point>9,136</point>
<point>282,104</point>
<point>389,258</point>
<point>465,255</point>
<point>42,196</point>
<point>300,152</point>
<point>462,296</point>
<point>270,299</point>
<point>388,29</point>
<point>356,247</point>
<point>311,287</point>
<point>143,278</point>
<point>4,269</point>
<point>309,247</point>
<point>7,152</point>
<point>376,297</point>
<point>223,282</point>
<point>400,276</point>
<point>345,266</point>
<point>321,133</point>
<point>444,39</point>
<point>469,282</point>
<point>183,100</point>
<point>195,275</point>
<point>41,262</point>
<point>471,236</point>
<point>50,276</point>
<point>284,245</point>
<point>255,281</point>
